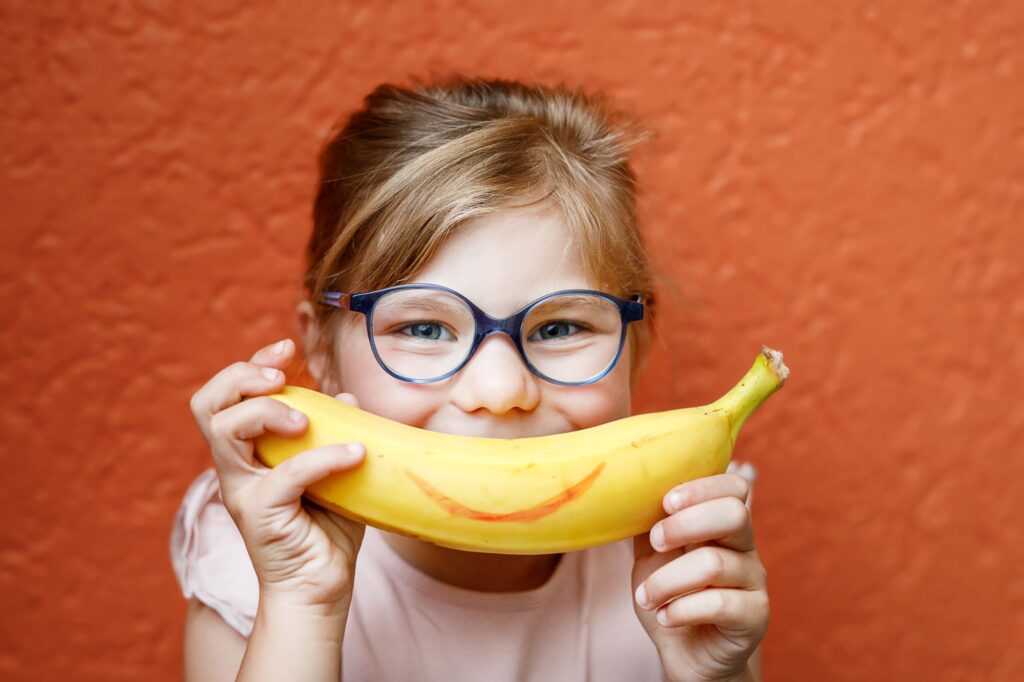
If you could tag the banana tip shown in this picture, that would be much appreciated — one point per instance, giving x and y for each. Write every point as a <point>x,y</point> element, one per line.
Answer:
<point>774,358</point>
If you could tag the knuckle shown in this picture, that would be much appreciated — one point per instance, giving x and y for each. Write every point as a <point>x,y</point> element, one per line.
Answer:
<point>240,372</point>
<point>718,603</point>
<point>737,512</point>
<point>762,602</point>
<point>758,610</point>
<point>742,485</point>
<point>655,589</point>
<point>239,367</point>
<point>219,428</point>
<point>714,563</point>
<point>195,403</point>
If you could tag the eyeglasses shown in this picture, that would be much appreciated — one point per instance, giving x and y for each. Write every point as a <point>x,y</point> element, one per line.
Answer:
<point>421,333</point>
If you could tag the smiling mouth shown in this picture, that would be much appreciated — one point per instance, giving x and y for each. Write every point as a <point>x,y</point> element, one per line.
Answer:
<point>533,513</point>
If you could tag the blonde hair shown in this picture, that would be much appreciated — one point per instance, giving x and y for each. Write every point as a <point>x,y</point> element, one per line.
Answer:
<point>405,171</point>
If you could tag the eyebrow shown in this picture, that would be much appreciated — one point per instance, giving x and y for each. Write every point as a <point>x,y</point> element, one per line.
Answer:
<point>442,307</point>
<point>572,300</point>
<point>429,305</point>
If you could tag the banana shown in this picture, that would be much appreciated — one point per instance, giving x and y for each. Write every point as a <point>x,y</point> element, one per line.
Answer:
<point>538,495</point>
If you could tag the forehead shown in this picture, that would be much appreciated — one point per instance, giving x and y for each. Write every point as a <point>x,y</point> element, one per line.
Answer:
<point>503,261</point>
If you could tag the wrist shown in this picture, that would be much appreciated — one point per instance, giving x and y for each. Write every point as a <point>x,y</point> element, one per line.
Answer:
<point>303,606</point>
<point>287,606</point>
<point>744,675</point>
<point>293,640</point>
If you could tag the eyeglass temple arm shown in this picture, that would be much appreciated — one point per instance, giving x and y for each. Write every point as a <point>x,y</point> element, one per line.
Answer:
<point>337,299</point>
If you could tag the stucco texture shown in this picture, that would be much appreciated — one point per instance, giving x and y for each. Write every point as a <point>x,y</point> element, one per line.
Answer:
<point>843,181</point>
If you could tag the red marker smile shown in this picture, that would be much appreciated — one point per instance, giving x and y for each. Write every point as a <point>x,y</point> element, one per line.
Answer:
<point>528,514</point>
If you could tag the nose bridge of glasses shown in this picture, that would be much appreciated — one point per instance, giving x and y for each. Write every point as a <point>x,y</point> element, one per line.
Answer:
<point>487,325</point>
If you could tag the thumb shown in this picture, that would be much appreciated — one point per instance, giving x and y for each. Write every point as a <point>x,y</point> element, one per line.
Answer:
<point>284,484</point>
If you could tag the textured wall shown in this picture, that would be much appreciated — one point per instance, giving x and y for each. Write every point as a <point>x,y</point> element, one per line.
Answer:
<point>843,181</point>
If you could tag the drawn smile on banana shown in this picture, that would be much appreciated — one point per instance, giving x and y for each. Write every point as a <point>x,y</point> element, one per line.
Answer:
<point>533,513</point>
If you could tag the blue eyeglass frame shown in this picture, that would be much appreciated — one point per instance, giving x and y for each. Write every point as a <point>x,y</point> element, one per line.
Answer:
<point>365,302</point>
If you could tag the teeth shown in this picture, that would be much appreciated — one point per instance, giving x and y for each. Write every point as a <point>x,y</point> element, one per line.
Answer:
<point>537,495</point>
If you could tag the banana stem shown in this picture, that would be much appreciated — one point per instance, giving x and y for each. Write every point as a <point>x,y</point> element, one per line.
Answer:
<point>765,377</point>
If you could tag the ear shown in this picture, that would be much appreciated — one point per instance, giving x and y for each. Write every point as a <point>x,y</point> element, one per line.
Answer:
<point>309,333</point>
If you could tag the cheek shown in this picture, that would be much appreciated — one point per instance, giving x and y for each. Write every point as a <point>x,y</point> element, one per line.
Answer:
<point>359,372</point>
<point>601,402</point>
<point>376,390</point>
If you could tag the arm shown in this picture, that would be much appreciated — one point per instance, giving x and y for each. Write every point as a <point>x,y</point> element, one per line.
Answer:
<point>295,642</point>
<point>303,555</point>
<point>213,649</point>
<point>286,643</point>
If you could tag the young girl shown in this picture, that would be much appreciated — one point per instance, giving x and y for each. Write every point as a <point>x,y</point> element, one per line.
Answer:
<point>437,202</point>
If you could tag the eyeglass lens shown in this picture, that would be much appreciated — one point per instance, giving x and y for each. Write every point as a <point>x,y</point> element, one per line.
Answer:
<point>426,333</point>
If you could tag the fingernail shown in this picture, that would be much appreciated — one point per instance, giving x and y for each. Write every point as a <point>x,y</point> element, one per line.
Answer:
<point>296,416</point>
<point>641,595</point>
<point>663,616</point>
<point>355,448</point>
<point>279,347</point>
<point>271,374</point>
<point>657,537</point>
<point>675,500</point>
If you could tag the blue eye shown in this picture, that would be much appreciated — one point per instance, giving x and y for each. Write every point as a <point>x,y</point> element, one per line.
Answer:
<point>427,331</point>
<point>558,329</point>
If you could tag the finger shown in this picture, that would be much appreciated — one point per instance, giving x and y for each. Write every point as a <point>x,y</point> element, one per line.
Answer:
<point>232,431</point>
<point>704,489</point>
<point>275,355</point>
<point>704,567</point>
<point>645,560</point>
<point>284,484</point>
<point>742,610</point>
<point>725,520</point>
<point>230,385</point>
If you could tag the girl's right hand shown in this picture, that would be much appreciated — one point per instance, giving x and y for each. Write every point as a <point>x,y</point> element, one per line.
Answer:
<point>303,554</point>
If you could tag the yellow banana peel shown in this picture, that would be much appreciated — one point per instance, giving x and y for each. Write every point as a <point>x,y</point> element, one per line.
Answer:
<point>538,495</point>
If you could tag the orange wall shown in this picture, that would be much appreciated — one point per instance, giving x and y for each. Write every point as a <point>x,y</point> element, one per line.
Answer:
<point>841,180</point>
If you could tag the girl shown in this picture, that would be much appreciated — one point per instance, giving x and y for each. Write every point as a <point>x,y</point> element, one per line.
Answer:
<point>437,203</point>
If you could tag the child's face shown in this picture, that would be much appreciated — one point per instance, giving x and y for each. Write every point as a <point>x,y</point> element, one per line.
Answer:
<point>501,263</point>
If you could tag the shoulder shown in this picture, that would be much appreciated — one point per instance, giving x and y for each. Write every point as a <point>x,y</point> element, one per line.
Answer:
<point>209,557</point>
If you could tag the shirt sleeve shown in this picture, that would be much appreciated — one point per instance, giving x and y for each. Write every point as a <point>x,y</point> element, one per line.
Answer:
<point>747,471</point>
<point>209,557</point>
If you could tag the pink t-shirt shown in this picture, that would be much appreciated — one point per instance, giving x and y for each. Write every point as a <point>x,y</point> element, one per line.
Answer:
<point>406,625</point>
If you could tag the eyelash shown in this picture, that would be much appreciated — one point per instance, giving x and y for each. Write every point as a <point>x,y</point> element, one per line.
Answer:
<point>409,325</point>
<point>579,326</point>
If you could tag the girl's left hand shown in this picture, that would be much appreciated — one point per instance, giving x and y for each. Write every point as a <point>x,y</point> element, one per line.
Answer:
<point>699,587</point>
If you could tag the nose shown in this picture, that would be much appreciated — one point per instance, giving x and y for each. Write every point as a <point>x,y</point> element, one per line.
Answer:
<point>496,379</point>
